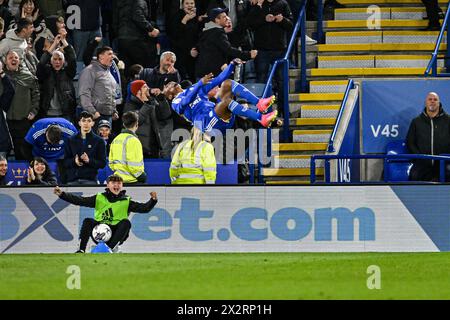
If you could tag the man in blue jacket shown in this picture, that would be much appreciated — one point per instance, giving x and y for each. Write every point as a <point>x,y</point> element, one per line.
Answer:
<point>48,135</point>
<point>85,153</point>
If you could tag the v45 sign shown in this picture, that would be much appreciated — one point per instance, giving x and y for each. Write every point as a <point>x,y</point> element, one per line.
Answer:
<point>388,131</point>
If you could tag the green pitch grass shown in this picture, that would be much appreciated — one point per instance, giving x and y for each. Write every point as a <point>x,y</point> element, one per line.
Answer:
<point>226,276</point>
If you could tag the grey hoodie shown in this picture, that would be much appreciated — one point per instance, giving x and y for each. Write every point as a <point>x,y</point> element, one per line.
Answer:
<point>13,42</point>
<point>97,89</point>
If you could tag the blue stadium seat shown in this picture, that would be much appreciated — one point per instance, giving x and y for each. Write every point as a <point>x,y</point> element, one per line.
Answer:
<point>256,88</point>
<point>397,170</point>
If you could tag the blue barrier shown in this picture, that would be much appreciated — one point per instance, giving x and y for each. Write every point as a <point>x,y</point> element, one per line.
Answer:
<point>157,172</point>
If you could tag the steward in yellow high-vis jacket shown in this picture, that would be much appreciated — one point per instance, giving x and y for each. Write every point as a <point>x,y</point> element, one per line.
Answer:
<point>194,161</point>
<point>126,157</point>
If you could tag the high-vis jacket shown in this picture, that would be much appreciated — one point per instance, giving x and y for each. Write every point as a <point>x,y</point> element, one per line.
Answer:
<point>193,166</point>
<point>126,158</point>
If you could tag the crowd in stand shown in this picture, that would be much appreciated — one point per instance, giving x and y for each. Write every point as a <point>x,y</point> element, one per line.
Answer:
<point>70,69</point>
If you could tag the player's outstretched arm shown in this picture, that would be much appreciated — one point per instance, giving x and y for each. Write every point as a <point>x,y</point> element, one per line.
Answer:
<point>144,207</point>
<point>75,199</point>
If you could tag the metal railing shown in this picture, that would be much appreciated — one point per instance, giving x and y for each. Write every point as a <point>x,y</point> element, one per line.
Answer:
<point>300,25</point>
<point>432,65</point>
<point>386,157</point>
<point>350,86</point>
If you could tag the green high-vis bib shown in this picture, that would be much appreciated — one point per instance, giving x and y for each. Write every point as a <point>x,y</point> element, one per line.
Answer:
<point>110,212</point>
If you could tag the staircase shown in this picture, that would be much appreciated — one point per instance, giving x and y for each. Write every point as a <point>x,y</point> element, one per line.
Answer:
<point>397,48</point>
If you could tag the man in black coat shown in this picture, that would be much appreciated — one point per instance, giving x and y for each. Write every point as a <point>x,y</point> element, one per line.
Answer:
<point>147,131</point>
<point>6,97</point>
<point>136,32</point>
<point>271,21</point>
<point>84,153</point>
<point>214,48</point>
<point>429,133</point>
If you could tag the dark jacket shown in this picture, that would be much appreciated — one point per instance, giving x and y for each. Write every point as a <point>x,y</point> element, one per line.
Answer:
<point>90,201</point>
<point>7,94</point>
<point>155,79</point>
<point>131,19</point>
<point>240,36</point>
<point>61,81</point>
<point>429,136</point>
<point>215,50</point>
<point>270,35</point>
<point>3,181</point>
<point>184,36</point>
<point>94,147</point>
<point>90,13</point>
<point>147,132</point>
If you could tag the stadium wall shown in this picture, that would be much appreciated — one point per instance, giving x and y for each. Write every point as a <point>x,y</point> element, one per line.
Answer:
<point>403,218</point>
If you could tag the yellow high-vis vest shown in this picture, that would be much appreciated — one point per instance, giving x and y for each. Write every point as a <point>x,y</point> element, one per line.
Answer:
<point>126,157</point>
<point>193,166</point>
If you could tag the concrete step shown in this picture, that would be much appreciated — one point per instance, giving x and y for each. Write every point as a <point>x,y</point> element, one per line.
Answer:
<point>319,111</point>
<point>384,2</point>
<point>343,37</point>
<point>393,13</point>
<point>383,24</point>
<point>376,61</point>
<point>295,161</point>
<point>313,136</point>
<point>302,97</point>
<point>360,13</point>
<point>380,47</point>
<point>369,72</point>
<point>290,172</point>
<point>288,182</point>
<point>312,121</point>
<point>299,146</point>
<point>327,86</point>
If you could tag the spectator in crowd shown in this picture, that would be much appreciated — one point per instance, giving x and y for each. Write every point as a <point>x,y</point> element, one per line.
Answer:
<point>271,21</point>
<point>55,26</point>
<point>16,40</point>
<point>194,161</point>
<point>117,68</point>
<point>157,77</point>
<point>111,207</point>
<point>14,6</point>
<point>147,132</point>
<point>97,87</point>
<point>5,14</point>
<point>47,137</point>
<point>84,153</point>
<point>213,48</point>
<point>90,24</point>
<point>39,173</point>
<point>132,74</point>
<point>237,12</point>
<point>104,132</point>
<point>55,72</point>
<point>29,9</point>
<point>24,106</point>
<point>3,170</point>
<point>186,28</point>
<point>126,158</point>
<point>136,33</point>
<point>7,89</point>
<point>2,29</point>
<point>429,133</point>
<point>433,13</point>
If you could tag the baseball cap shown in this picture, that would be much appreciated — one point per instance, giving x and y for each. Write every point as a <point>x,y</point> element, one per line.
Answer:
<point>213,13</point>
<point>104,123</point>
